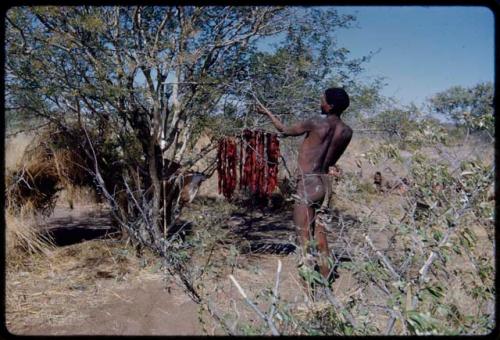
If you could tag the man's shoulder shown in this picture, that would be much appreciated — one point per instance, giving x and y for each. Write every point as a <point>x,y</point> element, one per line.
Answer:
<point>343,129</point>
<point>314,122</point>
<point>346,127</point>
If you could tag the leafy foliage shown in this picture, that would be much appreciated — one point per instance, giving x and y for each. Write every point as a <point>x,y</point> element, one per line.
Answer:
<point>472,106</point>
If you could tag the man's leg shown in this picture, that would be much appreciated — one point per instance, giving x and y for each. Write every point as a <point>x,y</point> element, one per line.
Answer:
<point>322,242</point>
<point>303,217</point>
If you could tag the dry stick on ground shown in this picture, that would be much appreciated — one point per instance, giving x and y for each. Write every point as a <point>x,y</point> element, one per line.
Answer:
<point>425,268</point>
<point>275,291</point>
<point>384,259</point>
<point>263,316</point>
<point>235,307</point>
<point>333,300</point>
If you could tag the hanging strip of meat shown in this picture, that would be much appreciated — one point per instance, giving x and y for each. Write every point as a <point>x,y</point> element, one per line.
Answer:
<point>253,171</point>
<point>273,153</point>
<point>247,167</point>
<point>258,163</point>
<point>226,167</point>
<point>231,158</point>
<point>261,188</point>
<point>220,164</point>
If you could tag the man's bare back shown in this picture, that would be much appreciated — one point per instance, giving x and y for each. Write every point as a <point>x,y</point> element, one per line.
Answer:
<point>323,144</point>
<point>325,141</point>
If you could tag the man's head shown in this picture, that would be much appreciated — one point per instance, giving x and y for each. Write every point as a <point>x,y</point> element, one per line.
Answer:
<point>334,101</point>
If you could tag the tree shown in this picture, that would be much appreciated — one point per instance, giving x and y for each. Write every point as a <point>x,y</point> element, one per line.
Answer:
<point>472,106</point>
<point>132,85</point>
<point>146,71</point>
<point>306,62</point>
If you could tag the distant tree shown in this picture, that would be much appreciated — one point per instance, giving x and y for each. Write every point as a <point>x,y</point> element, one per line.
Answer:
<point>395,121</point>
<point>472,106</point>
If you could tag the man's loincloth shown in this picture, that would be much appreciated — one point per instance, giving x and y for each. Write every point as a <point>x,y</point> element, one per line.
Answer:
<point>313,182</point>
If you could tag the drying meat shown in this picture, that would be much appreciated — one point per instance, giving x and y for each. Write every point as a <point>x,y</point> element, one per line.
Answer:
<point>261,166</point>
<point>273,153</point>
<point>226,166</point>
<point>258,168</point>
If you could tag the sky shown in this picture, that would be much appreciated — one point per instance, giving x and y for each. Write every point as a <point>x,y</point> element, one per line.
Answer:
<point>423,50</point>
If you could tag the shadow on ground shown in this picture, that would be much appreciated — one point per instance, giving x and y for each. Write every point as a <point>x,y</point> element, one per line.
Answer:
<point>273,232</point>
<point>78,226</point>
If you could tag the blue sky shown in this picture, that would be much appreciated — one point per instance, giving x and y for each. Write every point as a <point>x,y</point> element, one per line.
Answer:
<point>423,50</point>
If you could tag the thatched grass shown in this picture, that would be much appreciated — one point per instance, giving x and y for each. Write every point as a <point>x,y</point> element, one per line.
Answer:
<point>38,171</point>
<point>52,162</point>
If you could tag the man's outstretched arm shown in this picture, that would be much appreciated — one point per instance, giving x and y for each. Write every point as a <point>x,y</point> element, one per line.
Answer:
<point>296,129</point>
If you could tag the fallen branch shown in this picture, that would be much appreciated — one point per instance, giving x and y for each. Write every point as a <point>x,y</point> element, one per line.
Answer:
<point>390,324</point>
<point>384,259</point>
<point>275,291</point>
<point>333,300</point>
<point>425,268</point>
<point>254,307</point>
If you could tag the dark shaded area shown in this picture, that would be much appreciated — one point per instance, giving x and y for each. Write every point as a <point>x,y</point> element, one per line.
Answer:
<point>181,228</point>
<point>85,226</point>
<point>271,248</point>
<point>262,231</point>
<point>66,236</point>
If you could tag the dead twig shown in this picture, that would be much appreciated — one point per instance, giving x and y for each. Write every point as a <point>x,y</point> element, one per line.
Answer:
<point>275,291</point>
<point>336,303</point>
<point>425,268</point>
<point>263,316</point>
<point>384,259</point>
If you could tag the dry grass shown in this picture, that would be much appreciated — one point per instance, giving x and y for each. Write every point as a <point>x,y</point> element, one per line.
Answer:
<point>74,195</point>
<point>14,149</point>
<point>23,237</point>
<point>43,170</point>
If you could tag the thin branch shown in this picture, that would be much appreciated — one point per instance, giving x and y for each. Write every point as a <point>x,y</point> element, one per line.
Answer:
<point>264,317</point>
<point>425,268</point>
<point>275,291</point>
<point>336,303</point>
<point>384,259</point>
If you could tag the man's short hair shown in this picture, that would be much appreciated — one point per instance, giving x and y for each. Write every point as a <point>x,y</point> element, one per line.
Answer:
<point>338,98</point>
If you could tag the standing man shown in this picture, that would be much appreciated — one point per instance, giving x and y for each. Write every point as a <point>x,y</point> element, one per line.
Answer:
<point>326,139</point>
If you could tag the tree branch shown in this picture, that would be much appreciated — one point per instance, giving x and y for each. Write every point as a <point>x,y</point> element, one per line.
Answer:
<point>254,307</point>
